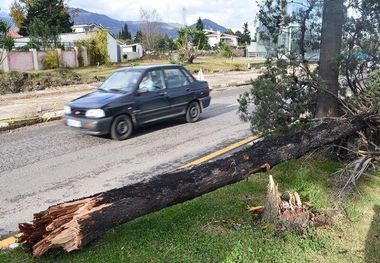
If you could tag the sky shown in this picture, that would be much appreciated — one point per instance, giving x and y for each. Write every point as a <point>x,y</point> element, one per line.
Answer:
<point>228,13</point>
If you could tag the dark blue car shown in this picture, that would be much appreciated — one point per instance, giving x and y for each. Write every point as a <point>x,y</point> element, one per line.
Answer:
<point>136,96</point>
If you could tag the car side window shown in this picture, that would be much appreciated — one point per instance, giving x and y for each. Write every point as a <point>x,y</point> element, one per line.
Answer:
<point>189,77</point>
<point>175,78</point>
<point>152,81</point>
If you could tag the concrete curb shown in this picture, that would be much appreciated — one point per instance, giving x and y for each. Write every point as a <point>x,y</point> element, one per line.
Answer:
<point>231,84</point>
<point>11,124</point>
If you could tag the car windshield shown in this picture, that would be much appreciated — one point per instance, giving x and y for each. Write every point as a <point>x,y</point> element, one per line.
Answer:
<point>121,81</point>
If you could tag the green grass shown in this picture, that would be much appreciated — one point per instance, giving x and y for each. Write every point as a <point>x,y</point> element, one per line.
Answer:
<point>20,119</point>
<point>209,65</point>
<point>216,227</point>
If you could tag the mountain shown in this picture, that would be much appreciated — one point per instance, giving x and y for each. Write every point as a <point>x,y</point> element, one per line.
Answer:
<point>208,24</point>
<point>81,16</point>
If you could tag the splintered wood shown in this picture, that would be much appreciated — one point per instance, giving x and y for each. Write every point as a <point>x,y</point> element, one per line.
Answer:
<point>59,226</point>
<point>287,210</point>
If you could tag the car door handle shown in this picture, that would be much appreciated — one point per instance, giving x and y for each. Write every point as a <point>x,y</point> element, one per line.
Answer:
<point>163,93</point>
<point>188,89</point>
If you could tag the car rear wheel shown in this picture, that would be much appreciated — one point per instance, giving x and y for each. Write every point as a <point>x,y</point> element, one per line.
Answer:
<point>193,112</point>
<point>121,128</point>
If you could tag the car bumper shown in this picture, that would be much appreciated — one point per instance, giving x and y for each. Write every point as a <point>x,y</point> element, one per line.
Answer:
<point>205,102</point>
<point>89,126</point>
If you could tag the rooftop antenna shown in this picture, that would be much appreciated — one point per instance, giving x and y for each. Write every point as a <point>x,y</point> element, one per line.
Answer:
<point>184,16</point>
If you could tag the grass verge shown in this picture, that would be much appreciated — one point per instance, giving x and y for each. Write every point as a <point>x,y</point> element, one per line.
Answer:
<point>216,227</point>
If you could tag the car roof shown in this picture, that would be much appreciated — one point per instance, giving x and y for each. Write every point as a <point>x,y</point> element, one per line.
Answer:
<point>149,67</point>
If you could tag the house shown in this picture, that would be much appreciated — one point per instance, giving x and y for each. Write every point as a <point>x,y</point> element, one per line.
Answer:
<point>215,37</point>
<point>14,34</point>
<point>81,32</point>
<point>86,28</point>
<point>131,52</point>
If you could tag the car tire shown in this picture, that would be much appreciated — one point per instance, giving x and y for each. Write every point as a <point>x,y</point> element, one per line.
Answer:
<point>121,128</point>
<point>193,112</point>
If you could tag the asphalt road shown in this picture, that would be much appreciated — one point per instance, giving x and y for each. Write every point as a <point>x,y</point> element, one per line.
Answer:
<point>48,164</point>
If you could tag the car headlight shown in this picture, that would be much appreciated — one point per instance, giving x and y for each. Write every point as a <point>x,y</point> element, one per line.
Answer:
<point>95,113</point>
<point>67,109</point>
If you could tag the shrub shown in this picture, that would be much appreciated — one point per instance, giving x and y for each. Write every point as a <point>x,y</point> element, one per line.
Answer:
<point>51,59</point>
<point>225,50</point>
<point>97,47</point>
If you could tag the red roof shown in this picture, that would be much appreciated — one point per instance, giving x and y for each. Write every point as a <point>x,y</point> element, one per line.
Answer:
<point>14,34</point>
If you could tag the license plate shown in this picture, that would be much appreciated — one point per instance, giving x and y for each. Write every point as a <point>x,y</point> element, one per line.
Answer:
<point>74,123</point>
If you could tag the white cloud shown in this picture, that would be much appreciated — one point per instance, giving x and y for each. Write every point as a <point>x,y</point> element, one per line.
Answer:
<point>229,13</point>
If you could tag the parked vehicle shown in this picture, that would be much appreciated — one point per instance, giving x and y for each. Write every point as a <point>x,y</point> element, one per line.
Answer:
<point>136,96</point>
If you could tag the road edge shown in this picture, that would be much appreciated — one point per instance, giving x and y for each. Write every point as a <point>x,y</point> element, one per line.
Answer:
<point>15,123</point>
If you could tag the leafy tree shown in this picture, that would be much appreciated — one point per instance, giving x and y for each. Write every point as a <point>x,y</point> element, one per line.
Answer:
<point>139,36</point>
<point>230,32</point>
<point>6,42</point>
<point>245,37</point>
<point>199,25</point>
<point>97,47</point>
<point>125,34</point>
<point>41,35</point>
<point>165,44</point>
<point>361,46</point>
<point>289,90</point>
<point>239,34</point>
<point>200,40</point>
<point>52,12</point>
<point>17,13</point>
<point>188,44</point>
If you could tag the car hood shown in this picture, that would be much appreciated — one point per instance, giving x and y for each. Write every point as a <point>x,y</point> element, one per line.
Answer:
<point>96,99</point>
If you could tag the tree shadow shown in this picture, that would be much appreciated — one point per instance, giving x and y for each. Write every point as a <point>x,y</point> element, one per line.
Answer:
<point>372,244</point>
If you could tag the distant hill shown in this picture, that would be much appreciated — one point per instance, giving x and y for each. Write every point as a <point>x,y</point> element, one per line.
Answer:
<point>208,24</point>
<point>81,16</point>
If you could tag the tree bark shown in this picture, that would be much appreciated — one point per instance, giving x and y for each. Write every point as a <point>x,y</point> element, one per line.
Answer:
<point>331,41</point>
<point>74,224</point>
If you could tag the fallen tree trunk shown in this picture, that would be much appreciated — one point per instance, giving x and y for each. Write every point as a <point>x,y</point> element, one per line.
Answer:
<point>74,224</point>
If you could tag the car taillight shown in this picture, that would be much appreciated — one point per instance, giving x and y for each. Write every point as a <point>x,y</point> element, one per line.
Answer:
<point>209,89</point>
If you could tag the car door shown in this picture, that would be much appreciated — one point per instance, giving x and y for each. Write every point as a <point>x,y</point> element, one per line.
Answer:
<point>180,90</point>
<point>152,101</point>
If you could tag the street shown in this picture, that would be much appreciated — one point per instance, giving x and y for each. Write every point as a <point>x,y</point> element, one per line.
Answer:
<point>48,163</point>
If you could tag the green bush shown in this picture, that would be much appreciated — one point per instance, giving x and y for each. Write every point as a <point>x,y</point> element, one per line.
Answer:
<point>225,50</point>
<point>51,59</point>
<point>97,47</point>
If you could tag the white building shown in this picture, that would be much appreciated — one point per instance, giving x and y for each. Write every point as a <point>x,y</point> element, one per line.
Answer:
<point>215,37</point>
<point>81,32</point>
<point>131,52</point>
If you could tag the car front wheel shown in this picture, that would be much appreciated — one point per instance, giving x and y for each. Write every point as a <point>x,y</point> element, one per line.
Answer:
<point>193,112</point>
<point>121,128</point>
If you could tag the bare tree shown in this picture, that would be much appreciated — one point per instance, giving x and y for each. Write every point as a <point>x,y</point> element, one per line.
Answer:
<point>150,27</point>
